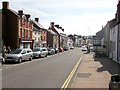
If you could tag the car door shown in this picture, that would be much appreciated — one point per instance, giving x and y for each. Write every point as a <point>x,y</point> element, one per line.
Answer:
<point>24,56</point>
<point>28,55</point>
<point>42,53</point>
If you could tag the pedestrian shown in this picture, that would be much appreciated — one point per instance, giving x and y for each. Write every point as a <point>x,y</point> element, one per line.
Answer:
<point>8,49</point>
<point>4,51</point>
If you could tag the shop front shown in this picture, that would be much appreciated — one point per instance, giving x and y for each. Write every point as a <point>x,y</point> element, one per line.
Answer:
<point>26,43</point>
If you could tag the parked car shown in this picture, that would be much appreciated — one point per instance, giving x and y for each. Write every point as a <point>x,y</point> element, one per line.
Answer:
<point>1,59</point>
<point>40,52</point>
<point>66,48</point>
<point>114,83</point>
<point>72,47</point>
<point>61,49</point>
<point>44,52</point>
<point>84,48</point>
<point>51,51</point>
<point>37,52</point>
<point>56,50</point>
<point>18,55</point>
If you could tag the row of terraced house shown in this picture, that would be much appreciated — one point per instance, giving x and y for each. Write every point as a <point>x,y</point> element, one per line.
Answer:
<point>107,40</point>
<point>20,31</point>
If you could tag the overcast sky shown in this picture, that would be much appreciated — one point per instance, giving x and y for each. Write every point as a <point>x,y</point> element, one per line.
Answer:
<point>81,17</point>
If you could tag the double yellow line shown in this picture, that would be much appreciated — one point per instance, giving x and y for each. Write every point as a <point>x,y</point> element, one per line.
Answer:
<point>67,81</point>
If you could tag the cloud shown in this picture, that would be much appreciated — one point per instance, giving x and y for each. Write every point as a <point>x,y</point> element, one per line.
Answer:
<point>75,16</point>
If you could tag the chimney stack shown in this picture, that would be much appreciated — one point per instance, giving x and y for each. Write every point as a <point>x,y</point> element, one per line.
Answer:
<point>27,16</point>
<point>37,19</point>
<point>5,5</point>
<point>57,26</point>
<point>52,24</point>
<point>63,30</point>
<point>60,27</point>
<point>20,12</point>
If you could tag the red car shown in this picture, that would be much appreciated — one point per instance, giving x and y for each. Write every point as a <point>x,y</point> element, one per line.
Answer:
<point>61,49</point>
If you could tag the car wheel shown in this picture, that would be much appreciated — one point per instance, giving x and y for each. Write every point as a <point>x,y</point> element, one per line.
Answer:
<point>3,60</point>
<point>39,55</point>
<point>109,87</point>
<point>30,58</point>
<point>19,60</point>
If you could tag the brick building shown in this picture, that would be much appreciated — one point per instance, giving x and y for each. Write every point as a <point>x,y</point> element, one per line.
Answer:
<point>52,39</point>
<point>17,34</point>
<point>54,29</point>
<point>44,38</point>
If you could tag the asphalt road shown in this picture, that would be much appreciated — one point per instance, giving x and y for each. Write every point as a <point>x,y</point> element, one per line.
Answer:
<point>49,72</point>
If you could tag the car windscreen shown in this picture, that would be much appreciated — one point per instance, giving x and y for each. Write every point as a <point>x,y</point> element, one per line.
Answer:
<point>44,50</point>
<point>34,50</point>
<point>17,51</point>
<point>49,49</point>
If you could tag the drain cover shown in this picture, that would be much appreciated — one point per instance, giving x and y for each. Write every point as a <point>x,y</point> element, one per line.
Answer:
<point>83,75</point>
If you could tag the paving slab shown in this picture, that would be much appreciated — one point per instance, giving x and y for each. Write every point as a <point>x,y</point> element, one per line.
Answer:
<point>94,72</point>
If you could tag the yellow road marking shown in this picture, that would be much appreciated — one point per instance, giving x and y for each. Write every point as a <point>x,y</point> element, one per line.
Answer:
<point>67,81</point>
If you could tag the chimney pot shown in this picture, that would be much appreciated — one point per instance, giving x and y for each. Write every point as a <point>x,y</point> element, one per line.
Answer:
<point>63,30</point>
<point>60,27</point>
<point>52,24</point>
<point>37,19</point>
<point>27,16</point>
<point>20,12</point>
<point>57,26</point>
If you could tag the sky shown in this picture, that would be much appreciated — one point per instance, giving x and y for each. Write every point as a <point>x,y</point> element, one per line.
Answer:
<point>81,17</point>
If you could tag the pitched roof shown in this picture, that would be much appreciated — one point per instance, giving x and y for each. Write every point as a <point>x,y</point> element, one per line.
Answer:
<point>100,34</point>
<point>52,32</point>
<point>58,30</point>
<point>112,23</point>
<point>14,12</point>
<point>38,24</point>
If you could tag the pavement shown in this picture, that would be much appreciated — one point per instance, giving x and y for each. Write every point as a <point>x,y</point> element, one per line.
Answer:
<point>94,72</point>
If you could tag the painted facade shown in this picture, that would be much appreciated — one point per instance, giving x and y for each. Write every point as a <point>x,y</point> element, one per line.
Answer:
<point>37,31</point>
<point>113,42</point>
<point>107,38</point>
<point>44,37</point>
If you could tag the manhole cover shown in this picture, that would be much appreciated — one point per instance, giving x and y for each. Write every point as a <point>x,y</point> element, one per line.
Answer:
<point>83,75</point>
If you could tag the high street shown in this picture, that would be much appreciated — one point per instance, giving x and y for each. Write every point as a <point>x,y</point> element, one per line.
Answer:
<point>49,72</point>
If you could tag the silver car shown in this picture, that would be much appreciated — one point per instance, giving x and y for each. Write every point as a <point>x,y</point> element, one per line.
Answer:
<point>1,59</point>
<point>40,52</point>
<point>18,55</point>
